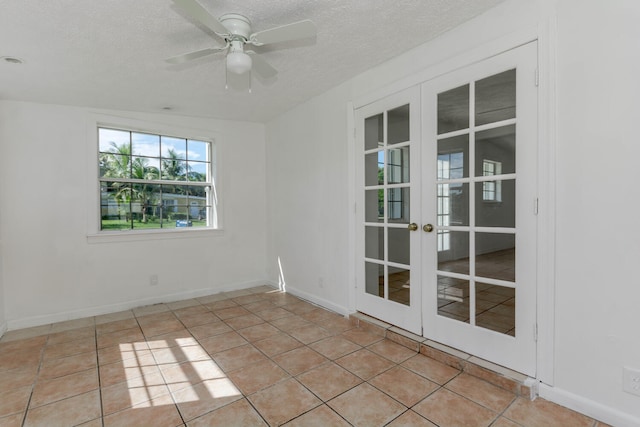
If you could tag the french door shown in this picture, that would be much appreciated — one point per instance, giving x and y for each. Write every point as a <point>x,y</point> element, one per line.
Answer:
<point>388,137</point>
<point>447,209</point>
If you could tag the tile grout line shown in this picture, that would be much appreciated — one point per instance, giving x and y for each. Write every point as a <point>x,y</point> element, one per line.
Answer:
<point>95,335</point>
<point>35,380</point>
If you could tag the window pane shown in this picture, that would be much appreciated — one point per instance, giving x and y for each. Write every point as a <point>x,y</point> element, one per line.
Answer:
<point>114,165</point>
<point>144,198</point>
<point>496,98</point>
<point>198,150</point>
<point>453,158</point>
<point>374,278</point>
<point>374,168</point>
<point>374,243</point>
<point>144,144</point>
<point>174,148</point>
<point>496,256</point>
<point>453,109</point>
<point>197,199</point>
<point>399,285</point>
<point>453,298</point>
<point>497,146</point>
<point>373,137</point>
<point>453,204</point>
<point>398,204</point>
<point>496,308</point>
<point>145,168</point>
<point>173,169</point>
<point>496,203</point>
<point>398,165</point>
<point>398,125</point>
<point>456,258</point>
<point>110,139</point>
<point>197,171</point>
<point>115,210</point>
<point>374,205</point>
<point>399,245</point>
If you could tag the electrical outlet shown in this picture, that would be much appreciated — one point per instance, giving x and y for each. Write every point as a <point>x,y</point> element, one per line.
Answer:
<point>631,380</point>
<point>153,280</point>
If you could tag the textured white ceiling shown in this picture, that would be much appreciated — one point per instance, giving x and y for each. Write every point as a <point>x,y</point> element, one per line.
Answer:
<point>110,53</point>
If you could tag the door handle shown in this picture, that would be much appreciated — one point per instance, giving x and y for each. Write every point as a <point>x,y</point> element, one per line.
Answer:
<point>413,226</point>
<point>428,228</point>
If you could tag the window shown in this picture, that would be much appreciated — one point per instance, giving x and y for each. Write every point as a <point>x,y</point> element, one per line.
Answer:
<point>491,190</point>
<point>151,181</point>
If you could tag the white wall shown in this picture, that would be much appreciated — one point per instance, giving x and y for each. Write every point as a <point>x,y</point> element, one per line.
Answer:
<point>52,272</point>
<point>598,238</point>
<point>596,290</point>
<point>3,318</point>
<point>307,198</point>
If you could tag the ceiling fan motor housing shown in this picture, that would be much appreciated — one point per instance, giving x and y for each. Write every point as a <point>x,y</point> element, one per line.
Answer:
<point>238,25</point>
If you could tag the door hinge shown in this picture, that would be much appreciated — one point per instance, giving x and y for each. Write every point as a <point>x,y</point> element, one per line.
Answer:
<point>536,77</point>
<point>535,206</point>
<point>535,332</point>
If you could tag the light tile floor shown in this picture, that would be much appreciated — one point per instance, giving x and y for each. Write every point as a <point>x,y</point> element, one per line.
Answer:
<point>247,358</point>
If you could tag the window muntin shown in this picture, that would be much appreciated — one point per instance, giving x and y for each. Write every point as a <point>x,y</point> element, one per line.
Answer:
<point>154,181</point>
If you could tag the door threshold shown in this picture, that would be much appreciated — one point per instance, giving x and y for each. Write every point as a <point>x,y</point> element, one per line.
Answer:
<point>502,377</point>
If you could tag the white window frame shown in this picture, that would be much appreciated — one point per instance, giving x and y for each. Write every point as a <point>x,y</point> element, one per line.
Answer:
<point>94,234</point>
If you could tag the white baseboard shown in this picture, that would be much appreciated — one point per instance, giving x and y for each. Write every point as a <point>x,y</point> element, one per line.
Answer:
<point>314,299</point>
<point>28,322</point>
<point>588,407</point>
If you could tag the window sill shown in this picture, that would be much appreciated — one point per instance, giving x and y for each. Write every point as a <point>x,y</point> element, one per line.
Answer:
<point>147,235</point>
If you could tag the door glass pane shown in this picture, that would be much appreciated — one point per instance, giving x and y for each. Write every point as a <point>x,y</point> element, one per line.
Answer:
<point>496,203</point>
<point>398,165</point>
<point>453,157</point>
<point>374,279</point>
<point>453,298</point>
<point>453,204</point>
<point>453,109</point>
<point>496,308</point>
<point>454,257</point>
<point>496,98</point>
<point>374,205</point>
<point>399,245</point>
<point>398,125</point>
<point>398,205</point>
<point>373,136</point>
<point>496,256</point>
<point>374,243</point>
<point>399,290</point>
<point>496,151</point>
<point>374,168</point>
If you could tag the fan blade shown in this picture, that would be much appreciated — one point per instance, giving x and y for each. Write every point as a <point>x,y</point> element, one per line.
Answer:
<point>297,30</point>
<point>181,59</point>
<point>199,13</point>
<point>261,66</point>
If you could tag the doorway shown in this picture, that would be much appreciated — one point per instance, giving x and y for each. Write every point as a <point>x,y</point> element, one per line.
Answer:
<point>447,210</point>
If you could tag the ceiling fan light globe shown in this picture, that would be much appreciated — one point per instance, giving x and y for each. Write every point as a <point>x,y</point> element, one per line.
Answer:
<point>238,62</point>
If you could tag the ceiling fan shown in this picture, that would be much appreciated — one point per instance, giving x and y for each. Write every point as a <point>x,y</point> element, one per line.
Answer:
<point>235,30</point>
